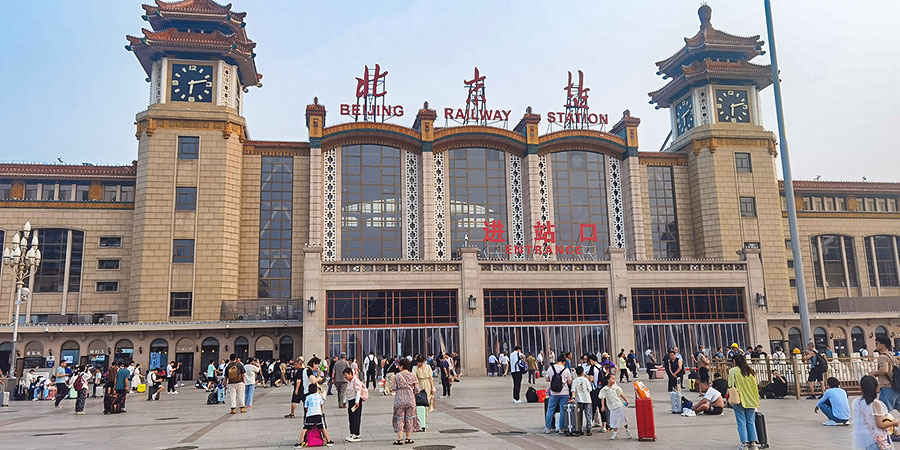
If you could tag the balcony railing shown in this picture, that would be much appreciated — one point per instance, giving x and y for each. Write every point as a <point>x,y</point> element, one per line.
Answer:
<point>262,310</point>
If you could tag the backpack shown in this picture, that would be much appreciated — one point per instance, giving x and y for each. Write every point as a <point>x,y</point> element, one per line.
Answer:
<point>895,374</point>
<point>821,363</point>
<point>79,382</point>
<point>520,363</point>
<point>556,383</point>
<point>363,393</point>
<point>234,375</point>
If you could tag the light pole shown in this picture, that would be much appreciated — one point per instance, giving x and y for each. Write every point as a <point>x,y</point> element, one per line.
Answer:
<point>24,261</point>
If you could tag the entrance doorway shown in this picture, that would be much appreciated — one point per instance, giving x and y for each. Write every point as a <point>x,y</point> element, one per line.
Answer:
<point>187,365</point>
<point>840,347</point>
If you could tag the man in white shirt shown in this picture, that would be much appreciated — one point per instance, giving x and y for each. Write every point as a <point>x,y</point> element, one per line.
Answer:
<point>517,370</point>
<point>712,403</point>
<point>556,398</point>
<point>504,364</point>
<point>370,365</point>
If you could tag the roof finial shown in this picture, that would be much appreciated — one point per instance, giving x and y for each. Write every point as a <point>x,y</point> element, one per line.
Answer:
<point>705,13</point>
<point>315,100</point>
<point>528,110</point>
<point>425,105</point>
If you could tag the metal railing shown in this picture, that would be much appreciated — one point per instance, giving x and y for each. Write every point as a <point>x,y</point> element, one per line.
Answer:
<point>848,371</point>
<point>262,310</point>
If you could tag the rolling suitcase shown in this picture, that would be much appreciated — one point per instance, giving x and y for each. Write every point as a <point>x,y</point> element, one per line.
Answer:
<point>645,424</point>
<point>212,399</point>
<point>675,397</point>
<point>220,393</point>
<point>422,412</point>
<point>761,436</point>
<point>568,419</point>
<point>117,403</point>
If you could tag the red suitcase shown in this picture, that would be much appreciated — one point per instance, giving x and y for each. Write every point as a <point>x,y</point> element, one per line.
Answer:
<point>645,424</point>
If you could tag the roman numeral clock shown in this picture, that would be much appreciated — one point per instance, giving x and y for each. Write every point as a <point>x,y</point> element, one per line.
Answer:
<point>191,83</point>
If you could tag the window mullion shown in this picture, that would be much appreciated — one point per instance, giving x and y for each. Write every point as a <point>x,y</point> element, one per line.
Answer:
<point>871,240</point>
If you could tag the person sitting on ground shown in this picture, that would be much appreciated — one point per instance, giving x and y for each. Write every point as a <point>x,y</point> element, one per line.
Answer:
<point>720,384</point>
<point>834,404</point>
<point>712,403</point>
<point>314,419</point>
<point>777,388</point>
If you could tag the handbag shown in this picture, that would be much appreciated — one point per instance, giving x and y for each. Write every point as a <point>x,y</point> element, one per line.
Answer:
<point>734,396</point>
<point>73,393</point>
<point>422,398</point>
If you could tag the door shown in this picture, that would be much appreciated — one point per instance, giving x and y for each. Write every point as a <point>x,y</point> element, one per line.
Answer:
<point>840,347</point>
<point>187,365</point>
<point>265,354</point>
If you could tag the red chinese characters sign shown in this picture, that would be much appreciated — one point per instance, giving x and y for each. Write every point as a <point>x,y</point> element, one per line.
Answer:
<point>544,239</point>
<point>370,94</point>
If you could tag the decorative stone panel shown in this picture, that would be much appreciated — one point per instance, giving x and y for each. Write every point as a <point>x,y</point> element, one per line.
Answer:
<point>440,226</point>
<point>329,249</point>
<point>616,210</point>
<point>517,228</point>
<point>411,200</point>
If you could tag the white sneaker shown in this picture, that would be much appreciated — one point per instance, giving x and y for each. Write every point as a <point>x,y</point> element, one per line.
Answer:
<point>628,434</point>
<point>830,423</point>
<point>517,401</point>
<point>615,435</point>
<point>349,438</point>
<point>355,438</point>
<point>176,392</point>
<point>546,431</point>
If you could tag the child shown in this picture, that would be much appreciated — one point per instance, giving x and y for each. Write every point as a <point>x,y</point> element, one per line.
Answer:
<point>581,392</point>
<point>314,419</point>
<point>613,400</point>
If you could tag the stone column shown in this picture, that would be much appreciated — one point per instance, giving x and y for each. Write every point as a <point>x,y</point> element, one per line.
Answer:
<point>621,321</point>
<point>424,123</point>
<point>537,208</point>
<point>471,322</point>
<point>314,340</point>
<point>632,186</point>
<point>757,316</point>
<point>315,123</point>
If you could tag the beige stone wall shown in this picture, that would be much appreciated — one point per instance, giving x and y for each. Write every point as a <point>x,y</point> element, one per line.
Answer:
<point>250,191</point>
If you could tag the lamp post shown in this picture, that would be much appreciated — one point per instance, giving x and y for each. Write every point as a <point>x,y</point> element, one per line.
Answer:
<point>24,261</point>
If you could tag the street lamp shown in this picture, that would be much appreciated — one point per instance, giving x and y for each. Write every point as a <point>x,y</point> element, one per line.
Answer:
<point>24,261</point>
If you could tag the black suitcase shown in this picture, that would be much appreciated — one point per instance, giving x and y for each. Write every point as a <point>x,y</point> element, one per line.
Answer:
<point>20,393</point>
<point>761,436</point>
<point>212,398</point>
<point>568,419</point>
<point>108,400</point>
<point>531,395</point>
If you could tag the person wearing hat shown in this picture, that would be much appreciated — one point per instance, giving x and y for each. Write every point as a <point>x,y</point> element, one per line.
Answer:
<point>735,350</point>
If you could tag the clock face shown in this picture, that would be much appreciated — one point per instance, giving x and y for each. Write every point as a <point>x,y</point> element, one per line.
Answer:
<point>191,83</point>
<point>684,115</point>
<point>732,106</point>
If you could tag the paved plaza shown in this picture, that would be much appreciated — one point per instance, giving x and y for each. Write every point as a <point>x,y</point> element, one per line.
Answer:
<point>480,415</point>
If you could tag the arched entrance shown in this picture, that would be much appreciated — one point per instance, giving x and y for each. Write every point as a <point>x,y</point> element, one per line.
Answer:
<point>794,341</point>
<point>34,355</point>
<point>97,354</point>
<point>857,339</point>
<point>124,351</point>
<point>242,348</point>
<point>5,353</point>
<point>881,332</point>
<point>209,351</point>
<point>286,348</point>
<point>184,355</point>
<point>70,353</point>
<point>159,353</point>
<point>264,348</point>
<point>820,338</point>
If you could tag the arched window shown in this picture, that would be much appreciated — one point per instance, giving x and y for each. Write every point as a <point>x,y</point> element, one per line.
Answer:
<point>242,348</point>
<point>286,348</point>
<point>70,352</point>
<point>159,353</point>
<point>371,199</point>
<point>264,348</point>
<point>477,180</point>
<point>794,340</point>
<point>124,351</point>
<point>881,331</point>
<point>857,339</point>
<point>34,355</point>
<point>837,257</point>
<point>579,201</point>
<point>820,337</point>
<point>209,351</point>
<point>881,260</point>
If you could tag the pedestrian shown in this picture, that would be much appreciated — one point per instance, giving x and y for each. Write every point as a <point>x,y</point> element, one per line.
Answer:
<point>136,377</point>
<point>870,418</point>
<point>834,404</point>
<point>154,385</point>
<point>337,378</point>
<point>446,376</point>
<point>330,371</point>
<point>651,362</point>
<point>674,369</point>
<point>170,378</point>
<point>97,382</point>
<point>683,367</point>
<point>123,378</point>
<point>818,365</point>
<point>702,362</point>
<point>540,360</point>
<point>355,394</point>
<point>492,366</point>
<point>211,375</point>
<point>405,420</point>
<point>883,372</point>
<point>560,379</point>
<point>302,379</point>
<point>251,369</point>
<point>370,365</point>
<point>109,389</point>
<point>532,368</point>
<point>80,384</point>
<point>425,376</point>
<point>314,418</point>
<point>622,365</point>
<point>62,380</point>
<point>597,376</point>
<point>614,403</point>
<point>743,378</point>
<point>517,368</point>
<point>234,383</point>
<point>581,392</point>
<point>632,364</point>
<point>504,364</point>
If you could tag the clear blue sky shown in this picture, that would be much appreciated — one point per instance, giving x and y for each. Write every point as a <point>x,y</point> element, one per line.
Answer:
<point>71,89</point>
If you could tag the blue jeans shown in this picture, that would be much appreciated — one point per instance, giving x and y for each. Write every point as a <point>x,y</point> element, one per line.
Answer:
<point>746,423</point>
<point>826,409</point>
<point>553,407</point>
<point>890,398</point>
<point>248,394</point>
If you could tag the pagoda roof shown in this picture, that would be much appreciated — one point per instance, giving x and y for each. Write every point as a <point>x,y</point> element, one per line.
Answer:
<point>187,28</point>
<point>709,69</point>
<point>710,42</point>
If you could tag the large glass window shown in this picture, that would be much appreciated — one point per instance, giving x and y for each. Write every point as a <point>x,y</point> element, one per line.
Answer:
<point>407,307</point>
<point>180,304</point>
<point>663,216</point>
<point>188,147</point>
<point>183,251</point>
<point>837,256</point>
<point>544,305</point>
<point>51,274</point>
<point>477,195</point>
<point>370,202</point>
<point>579,198</point>
<point>185,199</point>
<point>275,226</point>
<point>881,254</point>
<point>688,304</point>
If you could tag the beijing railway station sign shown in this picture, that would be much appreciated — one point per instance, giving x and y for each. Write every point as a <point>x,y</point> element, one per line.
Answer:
<point>371,104</point>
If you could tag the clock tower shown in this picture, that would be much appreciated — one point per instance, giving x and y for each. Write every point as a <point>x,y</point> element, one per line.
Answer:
<point>199,62</point>
<point>713,100</point>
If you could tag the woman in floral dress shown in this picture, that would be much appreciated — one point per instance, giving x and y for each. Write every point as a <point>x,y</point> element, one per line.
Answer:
<point>405,385</point>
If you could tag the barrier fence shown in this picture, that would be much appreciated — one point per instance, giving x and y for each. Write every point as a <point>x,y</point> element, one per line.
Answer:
<point>848,371</point>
